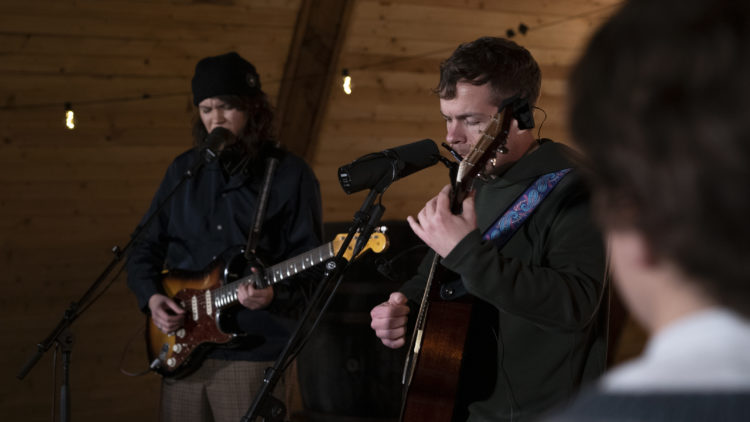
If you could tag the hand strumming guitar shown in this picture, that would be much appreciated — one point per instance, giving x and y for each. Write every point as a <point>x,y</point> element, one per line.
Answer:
<point>389,320</point>
<point>166,313</point>
<point>440,229</point>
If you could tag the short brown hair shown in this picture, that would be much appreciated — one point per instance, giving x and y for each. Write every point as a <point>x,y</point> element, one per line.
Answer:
<point>509,68</point>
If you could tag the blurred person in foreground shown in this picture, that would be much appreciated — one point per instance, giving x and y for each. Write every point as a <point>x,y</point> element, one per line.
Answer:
<point>661,107</point>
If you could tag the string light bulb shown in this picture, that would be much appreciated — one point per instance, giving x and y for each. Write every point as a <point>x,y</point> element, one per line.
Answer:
<point>70,117</point>
<point>347,81</point>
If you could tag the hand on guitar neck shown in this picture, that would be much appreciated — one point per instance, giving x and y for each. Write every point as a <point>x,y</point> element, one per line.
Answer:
<point>438,227</point>
<point>254,298</point>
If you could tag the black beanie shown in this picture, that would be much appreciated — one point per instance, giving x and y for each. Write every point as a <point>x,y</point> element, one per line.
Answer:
<point>227,74</point>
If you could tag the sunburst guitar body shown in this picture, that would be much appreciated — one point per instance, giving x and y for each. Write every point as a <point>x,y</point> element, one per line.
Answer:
<point>208,297</point>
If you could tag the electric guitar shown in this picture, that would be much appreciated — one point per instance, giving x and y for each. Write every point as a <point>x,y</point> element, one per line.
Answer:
<point>203,296</point>
<point>434,360</point>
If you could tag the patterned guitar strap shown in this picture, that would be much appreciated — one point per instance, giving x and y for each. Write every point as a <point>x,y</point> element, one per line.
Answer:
<point>510,221</point>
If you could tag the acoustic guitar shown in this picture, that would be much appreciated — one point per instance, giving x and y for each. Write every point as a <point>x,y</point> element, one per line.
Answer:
<point>434,360</point>
<point>205,295</point>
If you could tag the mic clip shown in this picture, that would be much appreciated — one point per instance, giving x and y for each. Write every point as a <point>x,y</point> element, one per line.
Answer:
<point>209,155</point>
<point>448,163</point>
<point>451,165</point>
<point>453,152</point>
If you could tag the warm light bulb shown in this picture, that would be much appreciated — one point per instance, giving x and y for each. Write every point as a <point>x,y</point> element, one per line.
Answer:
<point>70,117</point>
<point>347,85</point>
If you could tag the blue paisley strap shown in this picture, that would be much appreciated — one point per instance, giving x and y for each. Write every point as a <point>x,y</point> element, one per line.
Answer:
<point>505,226</point>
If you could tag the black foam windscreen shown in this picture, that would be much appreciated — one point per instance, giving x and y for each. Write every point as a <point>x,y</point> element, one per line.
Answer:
<point>377,170</point>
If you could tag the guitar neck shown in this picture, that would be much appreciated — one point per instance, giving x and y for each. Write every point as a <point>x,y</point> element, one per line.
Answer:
<point>457,196</point>
<point>494,136</point>
<point>226,295</point>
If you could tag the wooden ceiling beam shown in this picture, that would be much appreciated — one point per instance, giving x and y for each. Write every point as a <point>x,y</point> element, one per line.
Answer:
<point>309,72</point>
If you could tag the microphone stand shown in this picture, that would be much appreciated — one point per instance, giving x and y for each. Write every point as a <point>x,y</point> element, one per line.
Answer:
<point>60,335</point>
<point>269,408</point>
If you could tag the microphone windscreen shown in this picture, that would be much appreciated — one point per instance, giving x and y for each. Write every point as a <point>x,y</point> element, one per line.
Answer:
<point>416,156</point>
<point>218,137</point>
<point>215,142</point>
<point>380,169</point>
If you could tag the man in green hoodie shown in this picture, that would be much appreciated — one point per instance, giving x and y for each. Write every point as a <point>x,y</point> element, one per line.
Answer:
<point>538,322</point>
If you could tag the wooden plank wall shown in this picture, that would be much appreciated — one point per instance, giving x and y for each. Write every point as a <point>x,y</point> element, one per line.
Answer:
<point>66,197</point>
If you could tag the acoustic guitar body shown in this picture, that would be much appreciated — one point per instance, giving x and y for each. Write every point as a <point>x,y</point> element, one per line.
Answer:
<point>439,358</point>
<point>432,394</point>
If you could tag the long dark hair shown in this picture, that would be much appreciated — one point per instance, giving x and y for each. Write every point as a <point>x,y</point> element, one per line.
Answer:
<point>509,68</point>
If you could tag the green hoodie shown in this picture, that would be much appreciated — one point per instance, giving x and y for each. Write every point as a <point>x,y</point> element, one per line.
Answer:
<point>540,333</point>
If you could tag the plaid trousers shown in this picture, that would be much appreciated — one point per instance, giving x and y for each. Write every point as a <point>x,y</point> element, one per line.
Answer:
<point>218,391</point>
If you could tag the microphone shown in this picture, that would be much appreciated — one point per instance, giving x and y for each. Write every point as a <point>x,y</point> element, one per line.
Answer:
<point>378,170</point>
<point>215,142</point>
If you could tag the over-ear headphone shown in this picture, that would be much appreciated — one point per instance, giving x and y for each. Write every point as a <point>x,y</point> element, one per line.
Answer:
<point>521,111</point>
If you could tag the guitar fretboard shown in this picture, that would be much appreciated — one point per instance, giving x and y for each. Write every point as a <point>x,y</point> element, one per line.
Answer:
<point>227,294</point>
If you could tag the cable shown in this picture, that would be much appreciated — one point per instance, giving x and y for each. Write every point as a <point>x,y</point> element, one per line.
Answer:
<point>539,129</point>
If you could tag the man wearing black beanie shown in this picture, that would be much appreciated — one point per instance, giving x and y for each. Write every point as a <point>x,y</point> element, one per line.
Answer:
<point>204,225</point>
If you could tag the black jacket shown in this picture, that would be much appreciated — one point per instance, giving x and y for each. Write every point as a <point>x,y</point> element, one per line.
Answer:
<point>209,218</point>
<point>538,296</point>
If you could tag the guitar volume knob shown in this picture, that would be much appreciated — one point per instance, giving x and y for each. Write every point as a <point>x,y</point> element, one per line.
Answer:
<point>180,333</point>
<point>171,362</point>
<point>177,348</point>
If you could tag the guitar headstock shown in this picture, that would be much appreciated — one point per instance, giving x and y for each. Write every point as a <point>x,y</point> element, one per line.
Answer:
<point>378,242</point>
<point>474,164</point>
<point>493,136</point>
